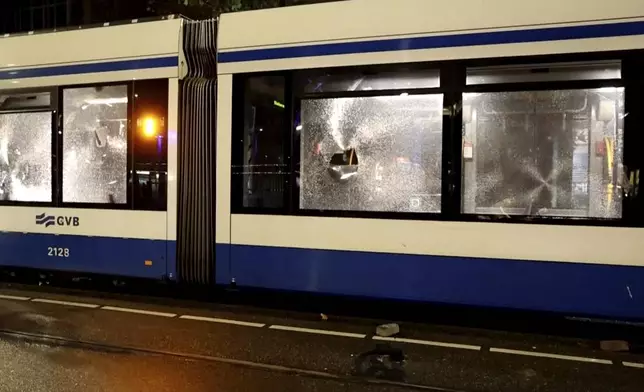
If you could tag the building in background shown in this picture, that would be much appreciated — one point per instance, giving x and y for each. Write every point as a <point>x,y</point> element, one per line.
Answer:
<point>29,15</point>
<point>26,15</point>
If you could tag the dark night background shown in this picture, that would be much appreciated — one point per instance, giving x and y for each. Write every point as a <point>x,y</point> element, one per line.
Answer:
<point>28,15</point>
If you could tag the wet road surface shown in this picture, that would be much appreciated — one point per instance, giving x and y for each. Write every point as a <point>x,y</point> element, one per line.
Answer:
<point>108,345</point>
<point>35,366</point>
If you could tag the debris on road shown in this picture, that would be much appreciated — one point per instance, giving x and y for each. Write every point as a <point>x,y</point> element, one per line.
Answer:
<point>386,330</point>
<point>614,345</point>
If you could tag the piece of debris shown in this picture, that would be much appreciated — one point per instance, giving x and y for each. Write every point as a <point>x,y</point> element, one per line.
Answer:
<point>386,330</point>
<point>384,362</point>
<point>614,345</point>
<point>324,317</point>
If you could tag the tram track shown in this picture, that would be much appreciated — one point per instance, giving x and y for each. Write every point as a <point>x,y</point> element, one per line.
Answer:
<point>60,341</point>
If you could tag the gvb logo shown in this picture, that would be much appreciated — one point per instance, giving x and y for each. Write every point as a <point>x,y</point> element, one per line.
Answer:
<point>44,219</point>
<point>52,220</point>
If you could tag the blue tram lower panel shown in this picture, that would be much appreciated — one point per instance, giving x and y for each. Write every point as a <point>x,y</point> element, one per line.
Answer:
<point>573,288</point>
<point>129,257</point>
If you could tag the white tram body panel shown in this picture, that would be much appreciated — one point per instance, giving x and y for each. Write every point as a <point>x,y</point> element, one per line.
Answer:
<point>583,268</point>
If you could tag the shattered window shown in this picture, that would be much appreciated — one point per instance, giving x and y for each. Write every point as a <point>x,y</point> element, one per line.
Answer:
<point>25,157</point>
<point>547,153</point>
<point>372,153</point>
<point>95,144</point>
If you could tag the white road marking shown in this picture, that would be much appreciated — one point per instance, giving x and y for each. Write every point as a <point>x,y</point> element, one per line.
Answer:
<point>222,321</point>
<point>139,311</point>
<point>322,331</point>
<point>14,297</point>
<point>66,303</point>
<point>548,355</point>
<point>319,331</point>
<point>429,343</point>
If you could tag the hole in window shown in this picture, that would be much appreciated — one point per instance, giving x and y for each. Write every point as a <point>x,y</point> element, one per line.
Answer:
<point>263,170</point>
<point>545,73</point>
<point>95,144</point>
<point>400,79</point>
<point>25,157</point>
<point>372,153</point>
<point>547,153</point>
<point>344,165</point>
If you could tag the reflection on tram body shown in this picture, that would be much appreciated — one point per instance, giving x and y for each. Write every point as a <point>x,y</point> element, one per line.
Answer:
<point>543,152</point>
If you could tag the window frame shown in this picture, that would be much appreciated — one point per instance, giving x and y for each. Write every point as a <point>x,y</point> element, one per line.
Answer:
<point>52,108</point>
<point>237,150</point>
<point>627,219</point>
<point>132,155</point>
<point>549,86</point>
<point>131,128</point>
<point>453,85</point>
<point>292,104</point>
<point>55,107</point>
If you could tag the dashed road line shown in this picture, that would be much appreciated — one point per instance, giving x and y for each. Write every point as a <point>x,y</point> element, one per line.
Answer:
<point>222,321</point>
<point>548,355</point>
<point>139,311</point>
<point>66,303</point>
<point>14,297</point>
<point>319,331</point>
<point>322,331</point>
<point>429,343</point>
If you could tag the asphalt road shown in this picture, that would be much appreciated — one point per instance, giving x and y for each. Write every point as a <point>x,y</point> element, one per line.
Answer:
<point>54,342</point>
<point>34,366</point>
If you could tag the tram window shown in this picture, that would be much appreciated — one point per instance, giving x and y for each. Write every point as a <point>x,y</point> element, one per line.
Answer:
<point>372,153</point>
<point>316,82</point>
<point>543,153</point>
<point>25,157</point>
<point>602,70</point>
<point>150,144</point>
<point>95,144</point>
<point>260,169</point>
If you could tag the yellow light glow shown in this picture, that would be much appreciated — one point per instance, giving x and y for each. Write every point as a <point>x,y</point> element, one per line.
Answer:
<point>149,127</point>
